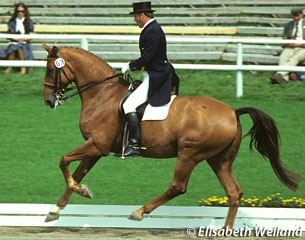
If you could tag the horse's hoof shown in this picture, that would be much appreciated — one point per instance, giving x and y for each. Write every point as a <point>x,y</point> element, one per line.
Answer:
<point>52,216</point>
<point>135,216</point>
<point>85,191</point>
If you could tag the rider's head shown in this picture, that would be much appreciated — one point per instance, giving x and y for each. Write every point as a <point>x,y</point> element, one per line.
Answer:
<point>142,13</point>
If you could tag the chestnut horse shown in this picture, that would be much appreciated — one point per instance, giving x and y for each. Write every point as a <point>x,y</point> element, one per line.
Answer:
<point>196,129</point>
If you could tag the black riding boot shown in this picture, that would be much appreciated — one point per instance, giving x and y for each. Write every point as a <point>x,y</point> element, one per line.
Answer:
<point>134,139</point>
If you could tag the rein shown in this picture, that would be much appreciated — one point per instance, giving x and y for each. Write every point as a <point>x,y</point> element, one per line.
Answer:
<point>85,86</point>
<point>59,91</point>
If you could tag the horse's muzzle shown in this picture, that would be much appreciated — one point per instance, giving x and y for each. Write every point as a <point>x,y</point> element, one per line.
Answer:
<point>50,101</point>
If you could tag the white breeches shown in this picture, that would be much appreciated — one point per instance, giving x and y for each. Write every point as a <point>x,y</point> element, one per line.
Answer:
<point>138,97</point>
<point>291,57</point>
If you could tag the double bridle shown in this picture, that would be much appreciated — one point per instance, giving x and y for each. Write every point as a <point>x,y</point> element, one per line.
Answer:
<point>59,90</point>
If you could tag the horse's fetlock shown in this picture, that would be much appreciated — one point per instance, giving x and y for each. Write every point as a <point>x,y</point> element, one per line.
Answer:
<point>147,209</point>
<point>72,185</point>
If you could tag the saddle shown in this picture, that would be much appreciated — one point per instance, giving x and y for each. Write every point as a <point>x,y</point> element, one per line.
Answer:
<point>134,84</point>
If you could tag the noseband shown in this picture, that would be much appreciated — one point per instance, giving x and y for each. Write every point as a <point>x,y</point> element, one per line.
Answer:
<point>58,88</point>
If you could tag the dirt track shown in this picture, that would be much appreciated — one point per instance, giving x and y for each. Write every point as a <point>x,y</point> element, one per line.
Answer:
<point>43,233</point>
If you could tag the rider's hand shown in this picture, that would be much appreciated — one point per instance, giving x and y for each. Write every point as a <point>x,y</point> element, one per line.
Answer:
<point>125,69</point>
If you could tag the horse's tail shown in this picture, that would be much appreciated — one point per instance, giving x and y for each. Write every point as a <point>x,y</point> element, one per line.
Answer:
<point>265,138</point>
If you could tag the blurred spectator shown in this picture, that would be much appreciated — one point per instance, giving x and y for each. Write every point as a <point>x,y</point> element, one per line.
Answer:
<point>19,23</point>
<point>297,76</point>
<point>293,53</point>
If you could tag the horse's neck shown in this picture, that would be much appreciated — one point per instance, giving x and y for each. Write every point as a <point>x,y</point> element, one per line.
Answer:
<point>106,91</point>
<point>103,95</point>
<point>101,108</point>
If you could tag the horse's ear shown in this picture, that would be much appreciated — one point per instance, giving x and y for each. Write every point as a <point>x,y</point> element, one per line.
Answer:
<point>47,48</point>
<point>52,52</point>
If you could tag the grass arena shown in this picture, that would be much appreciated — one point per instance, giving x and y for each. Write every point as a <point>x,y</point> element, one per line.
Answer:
<point>34,138</point>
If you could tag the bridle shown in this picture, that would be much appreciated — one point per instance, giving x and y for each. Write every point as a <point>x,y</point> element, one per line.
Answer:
<point>58,88</point>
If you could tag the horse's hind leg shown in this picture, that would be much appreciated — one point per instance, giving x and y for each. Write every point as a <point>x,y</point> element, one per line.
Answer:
<point>178,186</point>
<point>88,155</point>
<point>222,166</point>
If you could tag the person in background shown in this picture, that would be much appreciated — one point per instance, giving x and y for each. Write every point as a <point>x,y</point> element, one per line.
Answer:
<point>297,76</point>
<point>293,53</point>
<point>19,23</point>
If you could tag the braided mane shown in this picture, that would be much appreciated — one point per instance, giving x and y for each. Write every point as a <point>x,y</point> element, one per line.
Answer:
<point>55,50</point>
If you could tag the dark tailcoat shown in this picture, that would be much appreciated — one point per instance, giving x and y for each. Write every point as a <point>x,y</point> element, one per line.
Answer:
<point>289,27</point>
<point>154,60</point>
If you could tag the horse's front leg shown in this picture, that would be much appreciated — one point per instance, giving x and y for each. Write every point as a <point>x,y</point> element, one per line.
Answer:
<point>89,155</point>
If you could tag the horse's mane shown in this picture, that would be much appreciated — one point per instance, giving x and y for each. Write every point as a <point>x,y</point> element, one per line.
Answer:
<point>54,54</point>
<point>55,50</point>
<point>83,50</point>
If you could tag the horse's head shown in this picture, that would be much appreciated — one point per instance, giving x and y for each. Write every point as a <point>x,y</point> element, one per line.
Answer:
<point>57,77</point>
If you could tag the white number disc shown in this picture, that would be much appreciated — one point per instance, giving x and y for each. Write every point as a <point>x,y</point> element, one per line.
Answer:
<point>59,63</point>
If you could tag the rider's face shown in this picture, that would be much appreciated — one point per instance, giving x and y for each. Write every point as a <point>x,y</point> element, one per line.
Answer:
<point>139,19</point>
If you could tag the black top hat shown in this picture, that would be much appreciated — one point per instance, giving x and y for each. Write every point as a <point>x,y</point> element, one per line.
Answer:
<point>141,7</point>
<point>296,11</point>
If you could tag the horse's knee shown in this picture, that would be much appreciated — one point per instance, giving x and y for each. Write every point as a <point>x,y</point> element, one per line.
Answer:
<point>63,163</point>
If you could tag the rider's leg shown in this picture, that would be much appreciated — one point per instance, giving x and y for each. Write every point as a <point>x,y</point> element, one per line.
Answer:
<point>138,97</point>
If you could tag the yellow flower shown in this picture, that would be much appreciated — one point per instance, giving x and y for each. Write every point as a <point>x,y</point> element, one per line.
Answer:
<point>274,199</point>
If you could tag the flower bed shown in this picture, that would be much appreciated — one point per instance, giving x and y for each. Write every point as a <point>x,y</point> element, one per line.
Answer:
<point>275,200</point>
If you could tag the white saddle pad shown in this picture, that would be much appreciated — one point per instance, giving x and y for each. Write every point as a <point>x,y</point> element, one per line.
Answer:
<point>157,113</point>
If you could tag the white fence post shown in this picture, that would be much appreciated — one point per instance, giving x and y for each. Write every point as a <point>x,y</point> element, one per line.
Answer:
<point>239,73</point>
<point>84,44</point>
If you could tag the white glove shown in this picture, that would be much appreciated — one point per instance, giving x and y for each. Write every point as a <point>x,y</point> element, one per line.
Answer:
<point>125,69</point>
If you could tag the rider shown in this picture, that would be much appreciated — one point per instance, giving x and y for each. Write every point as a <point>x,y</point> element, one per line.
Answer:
<point>157,73</point>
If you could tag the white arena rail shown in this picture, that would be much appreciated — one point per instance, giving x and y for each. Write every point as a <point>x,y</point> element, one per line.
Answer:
<point>238,67</point>
<point>164,217</point>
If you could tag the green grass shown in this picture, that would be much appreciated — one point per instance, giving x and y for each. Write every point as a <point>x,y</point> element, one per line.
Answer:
<point>34,137</point>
